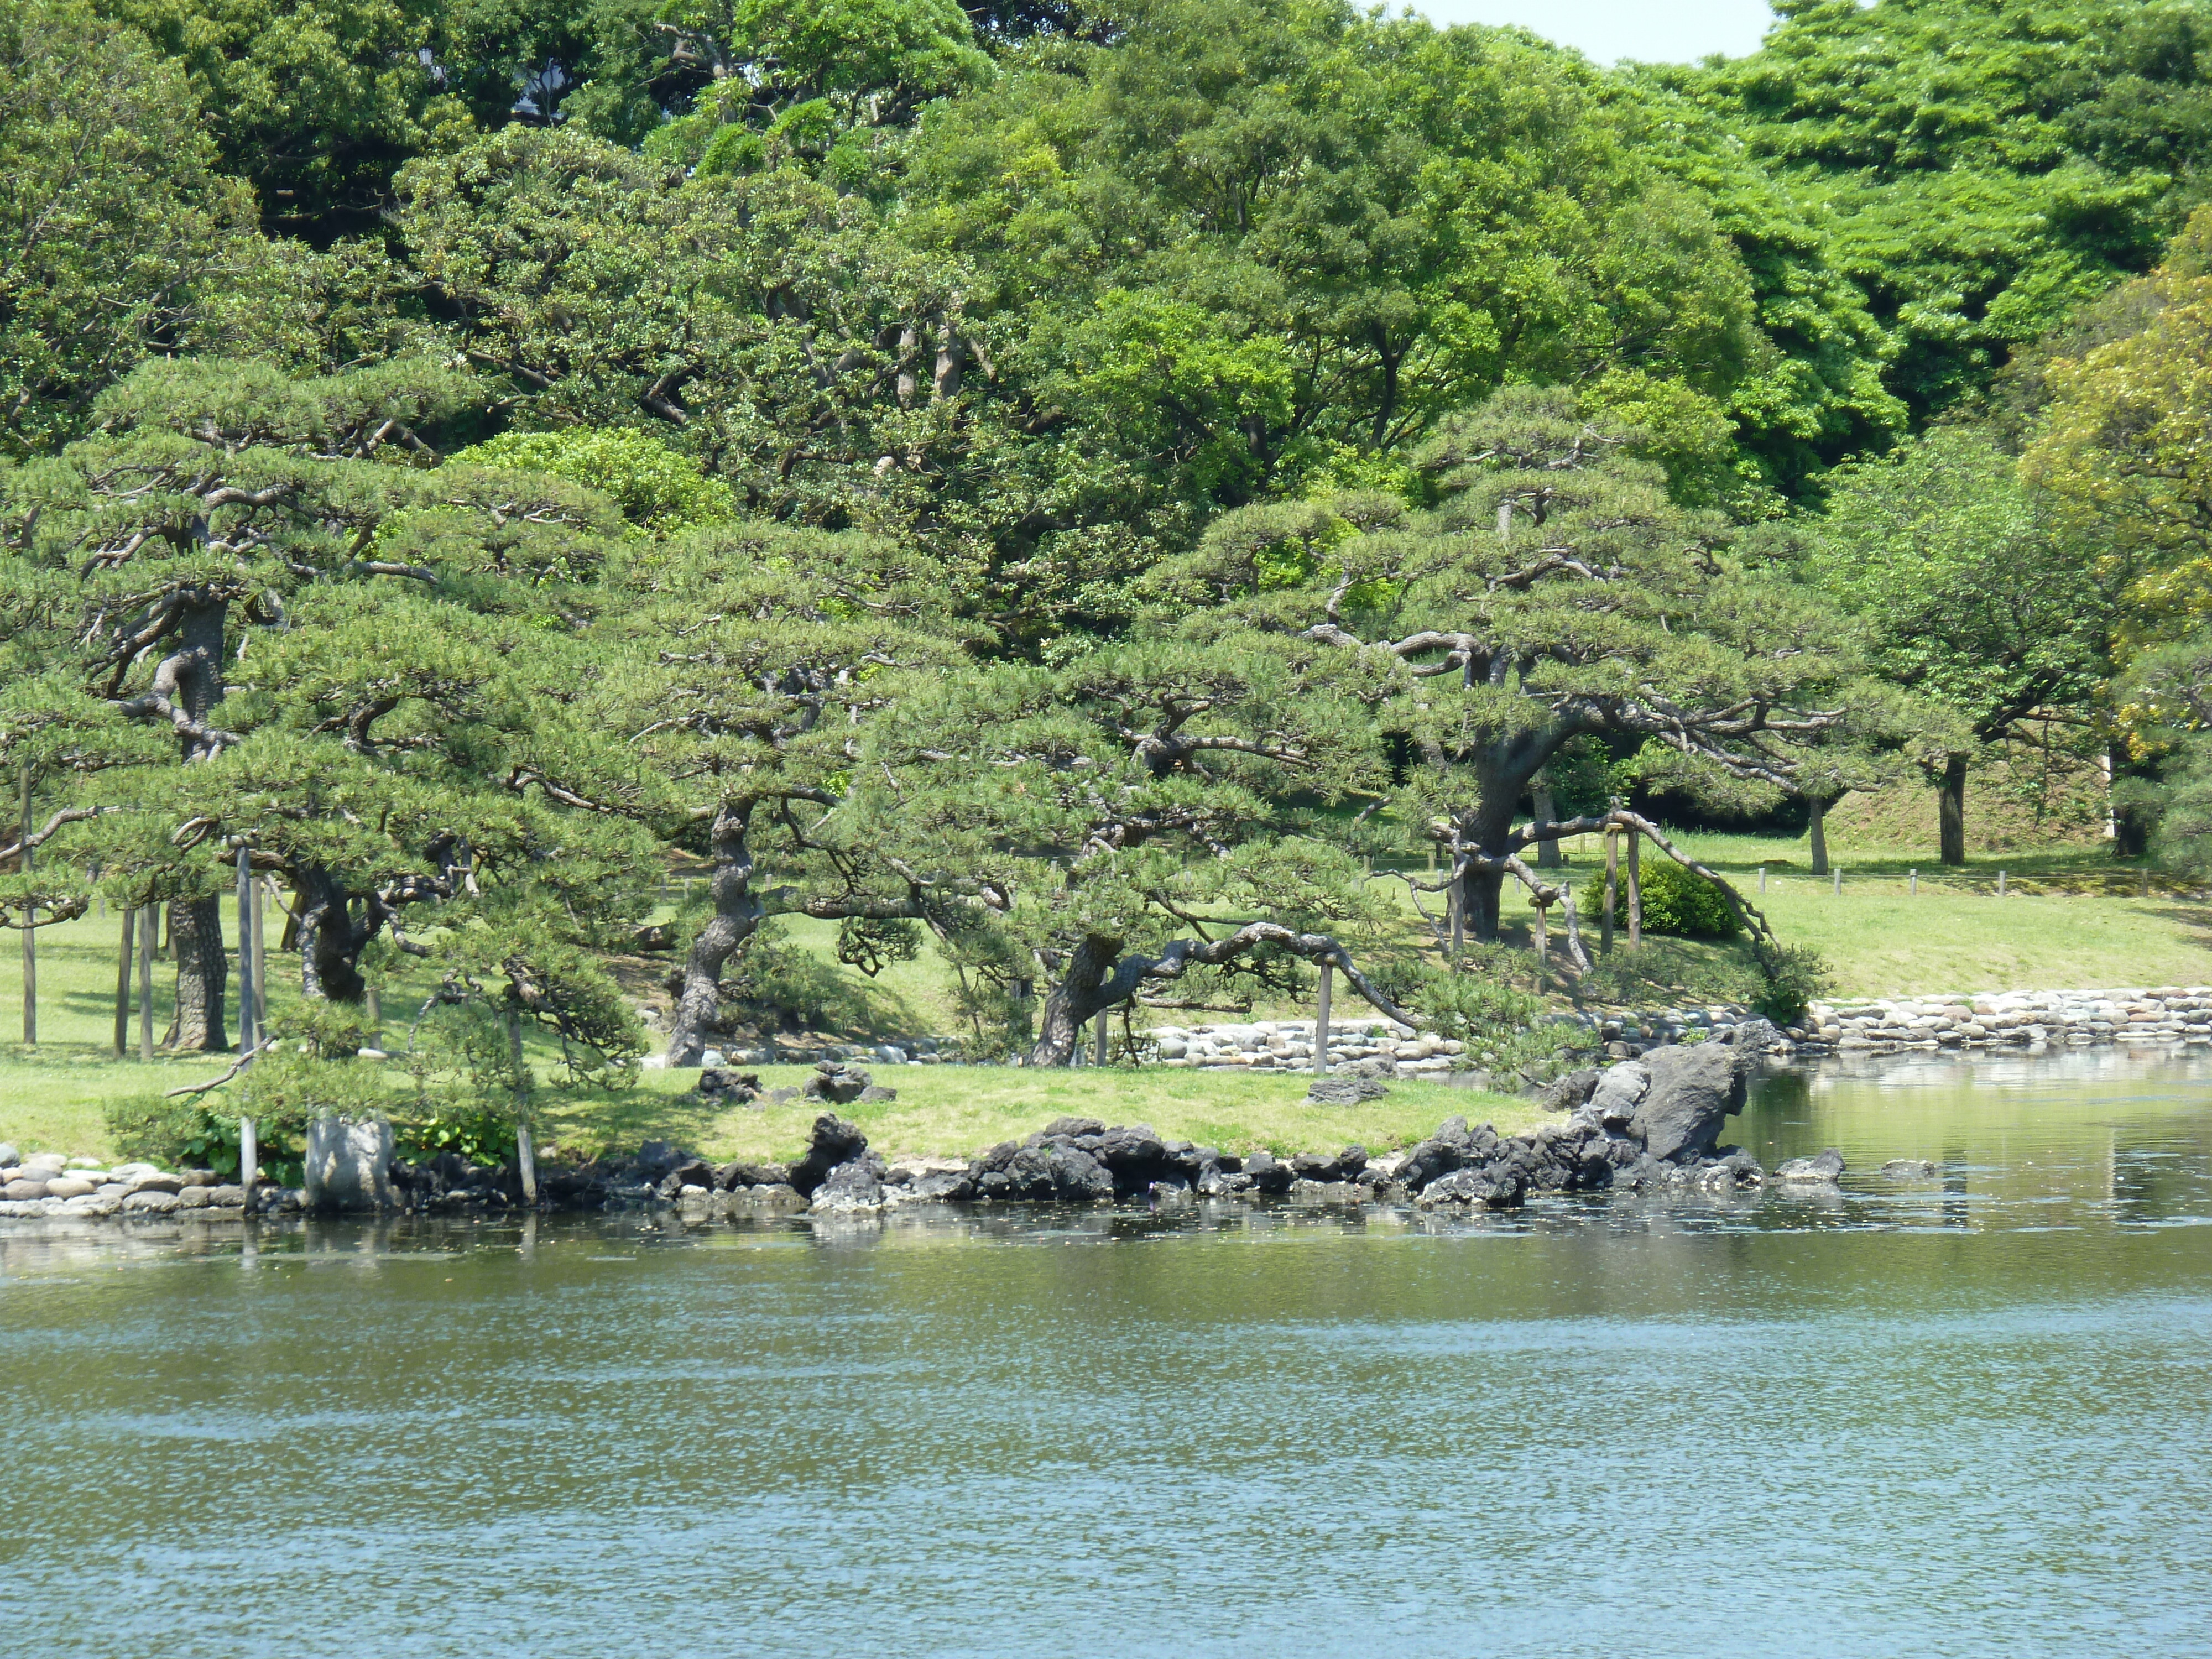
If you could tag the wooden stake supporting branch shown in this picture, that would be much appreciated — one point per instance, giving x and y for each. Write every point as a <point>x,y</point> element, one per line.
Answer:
<point>249,1157</point>
<point>30,932</point>
<point>1320,1024</point>
<point>1635,897</point>
<point>146,982</point>
<point>1103,1015</point>
<point>123,981</point>
<point>249,1029</point>
<point>260,974</point>
<point>1612,891</point>
<point>1543,942</point>
<point>525,1159</point>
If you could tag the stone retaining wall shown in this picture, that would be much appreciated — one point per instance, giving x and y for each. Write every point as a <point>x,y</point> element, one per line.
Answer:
<point>2173,1015</point>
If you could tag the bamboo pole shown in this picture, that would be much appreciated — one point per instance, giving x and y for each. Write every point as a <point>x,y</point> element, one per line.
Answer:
<point>123,981</point>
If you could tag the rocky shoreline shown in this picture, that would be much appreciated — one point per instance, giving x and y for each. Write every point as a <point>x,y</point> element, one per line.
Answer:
<point>1652,1124</point>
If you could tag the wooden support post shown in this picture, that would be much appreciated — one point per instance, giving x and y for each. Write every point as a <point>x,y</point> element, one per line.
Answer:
<point>1762,881</point>
<point>373,1015</point>
<point>123,981</point>
<point>1321,1023</point>
<point>249,1030</point>
<point>1913,883</point>
<point>1543,941</point>
<point>146,982</point>
<point>260,965</point>
<point>1103,1015</point>
<point>1612,891</point>
<point>1840,881</point>
<point>2000,884</point>
<point>525,1159</point>
<point>30,932</point>
<point>249,1159</point>
<point>1456,900</point>
<point>2146,876</point>
<point>1635,894</point>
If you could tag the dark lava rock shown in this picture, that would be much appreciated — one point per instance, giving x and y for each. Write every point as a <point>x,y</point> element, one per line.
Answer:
<point>1692,1089</point>
<point>1824,1168</point>
<point>1570,1091</point>
<point>740,1086</point>
<point>876,1092</point>
<point>853,1186</point>
<point>1344,1091</point>
<point>1317,1166</point>
<point>1754,1036</point>
<point>1612,1102</point>
<point>1266,1175</point>
<point>833,1141</point>
<point>1496,1187</point>
<point>1908,1169</point>
<point>657,1158</point>
<point>833,1080</point>
<point>1072,1128</point>
<point>691,1174</point>
<point>1078,1177</point>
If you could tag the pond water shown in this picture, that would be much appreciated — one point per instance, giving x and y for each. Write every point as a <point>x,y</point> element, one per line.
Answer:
<point>1964,1415</point>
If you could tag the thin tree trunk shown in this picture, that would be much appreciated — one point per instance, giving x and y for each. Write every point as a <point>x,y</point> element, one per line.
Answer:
<point>1951,810</point>
<point>737,916</point>
<point>202,975</point>
<point>1547,851</point>
<point>123,981</point>
<point>1817,827</point>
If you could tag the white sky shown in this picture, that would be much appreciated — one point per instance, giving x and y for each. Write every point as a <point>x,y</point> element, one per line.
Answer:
<point>1654,31</point>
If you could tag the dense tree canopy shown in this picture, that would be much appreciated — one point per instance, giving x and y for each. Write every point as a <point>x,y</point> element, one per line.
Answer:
<point>1054,481</point>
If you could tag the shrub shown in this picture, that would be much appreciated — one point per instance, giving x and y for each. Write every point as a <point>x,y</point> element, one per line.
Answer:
<point>1795,974</point>
<point>1684,904</point>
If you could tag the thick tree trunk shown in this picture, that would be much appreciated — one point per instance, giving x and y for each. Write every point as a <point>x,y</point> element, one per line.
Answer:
<point>1081,994</point>
<point>1951,810</point>
<point>195,929</point>
<point>331,943</point>
<point>1818,830</point>
<point>1482,894</point>
<point>737,916</point>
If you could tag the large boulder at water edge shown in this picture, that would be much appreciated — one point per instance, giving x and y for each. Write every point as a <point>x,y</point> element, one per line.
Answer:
<point>348,1166</point>
<point>833,1141</point>
<point>1692,1090</point>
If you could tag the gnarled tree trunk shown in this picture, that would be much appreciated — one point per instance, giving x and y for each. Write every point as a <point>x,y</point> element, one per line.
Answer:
<point>331,940</point>
<point>737,915</point>
<point>1817,830</point>
<point>196,931</point>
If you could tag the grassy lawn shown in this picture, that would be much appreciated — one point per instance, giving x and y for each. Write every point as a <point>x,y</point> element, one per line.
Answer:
<point>2071,916</point>
<point>52,1099</point>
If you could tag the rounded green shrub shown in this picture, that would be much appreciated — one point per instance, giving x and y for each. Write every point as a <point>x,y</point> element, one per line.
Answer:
<point>1683,905</point>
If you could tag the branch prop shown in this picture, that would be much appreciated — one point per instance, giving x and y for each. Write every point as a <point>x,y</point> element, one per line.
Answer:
<point>244,1060</point>
<point>1181,955</point>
